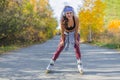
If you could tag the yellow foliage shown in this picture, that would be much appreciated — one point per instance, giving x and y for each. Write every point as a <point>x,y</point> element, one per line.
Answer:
<point>91,17</point>
<point>28,8</point>
<point>42,35</point>
<point>34,3</point>
<point>114,26</point>
<point>43,4</point>
<point>30,33</point>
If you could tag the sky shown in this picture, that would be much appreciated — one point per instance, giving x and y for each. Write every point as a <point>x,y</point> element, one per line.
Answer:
<point>58,5</point>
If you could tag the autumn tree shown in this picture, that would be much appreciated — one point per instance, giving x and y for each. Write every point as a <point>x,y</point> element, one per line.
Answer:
<point>91,19</point>
<point>47,18</point>
<point>114,26</point>
<point>25,21</point>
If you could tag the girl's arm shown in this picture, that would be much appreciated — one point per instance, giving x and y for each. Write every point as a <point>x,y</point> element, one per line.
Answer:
<point>62,31</point>
<point>76,28</point>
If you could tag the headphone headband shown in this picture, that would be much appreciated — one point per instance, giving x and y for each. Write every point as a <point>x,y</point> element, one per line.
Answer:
<point>68,8</point>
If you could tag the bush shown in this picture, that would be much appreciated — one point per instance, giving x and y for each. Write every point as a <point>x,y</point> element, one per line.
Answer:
<point>20,23</point>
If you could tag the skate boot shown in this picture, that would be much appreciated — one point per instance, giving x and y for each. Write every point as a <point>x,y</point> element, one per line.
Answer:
<point>80,67</point>
<point>50,66</point>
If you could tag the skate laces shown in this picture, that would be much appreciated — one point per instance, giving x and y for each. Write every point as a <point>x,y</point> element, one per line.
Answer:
<point>52,62</point>
<point>49,67</point>
<point>79,62</point>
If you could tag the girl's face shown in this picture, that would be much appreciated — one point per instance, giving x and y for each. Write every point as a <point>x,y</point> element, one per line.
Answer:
<point>69,14</point>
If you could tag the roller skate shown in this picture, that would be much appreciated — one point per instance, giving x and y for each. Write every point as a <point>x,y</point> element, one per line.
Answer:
<point>50,66</point>
<point>80,67</point>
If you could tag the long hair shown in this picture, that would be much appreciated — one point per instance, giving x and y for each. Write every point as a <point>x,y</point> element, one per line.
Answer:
<point>64,19</point>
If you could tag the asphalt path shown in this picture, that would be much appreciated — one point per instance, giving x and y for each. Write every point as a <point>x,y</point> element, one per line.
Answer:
<point>30,63</point>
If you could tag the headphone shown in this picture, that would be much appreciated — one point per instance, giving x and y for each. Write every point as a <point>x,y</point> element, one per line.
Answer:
<point>66,9</point>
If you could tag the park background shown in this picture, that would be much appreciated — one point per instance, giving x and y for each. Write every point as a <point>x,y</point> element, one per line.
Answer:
<point>27,22</point>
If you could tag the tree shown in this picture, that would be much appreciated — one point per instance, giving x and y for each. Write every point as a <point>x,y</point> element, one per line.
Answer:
<point>91,19</point>
<point>114,26</point>
<point>23,21</point>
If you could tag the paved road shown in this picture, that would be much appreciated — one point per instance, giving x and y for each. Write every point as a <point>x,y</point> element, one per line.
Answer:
<point>30,63</point>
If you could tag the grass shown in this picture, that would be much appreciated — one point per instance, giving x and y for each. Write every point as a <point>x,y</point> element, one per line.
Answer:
<point>7,48</point>
<point>107,45</point>
<point>112,46</point>
<point>4,49</point>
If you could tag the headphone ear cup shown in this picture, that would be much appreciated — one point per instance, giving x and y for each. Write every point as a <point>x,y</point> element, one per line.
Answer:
<point>63,13</point>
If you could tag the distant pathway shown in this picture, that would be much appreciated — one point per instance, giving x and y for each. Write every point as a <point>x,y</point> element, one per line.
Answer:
<point>30,63</point>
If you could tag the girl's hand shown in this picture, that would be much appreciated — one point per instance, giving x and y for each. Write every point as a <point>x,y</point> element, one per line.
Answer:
<point>77,42</point>
<point>62,43</point>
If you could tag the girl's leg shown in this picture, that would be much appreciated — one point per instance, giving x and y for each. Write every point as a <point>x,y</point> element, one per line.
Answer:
<point>78,56</point>
<point>77,49</point>
<point>55,56</point>
<point>58,51</point>
<point>77,52</point>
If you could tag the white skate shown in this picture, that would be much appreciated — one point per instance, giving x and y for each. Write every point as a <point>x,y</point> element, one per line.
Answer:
<point>50,66</point>
<point>80,67</point>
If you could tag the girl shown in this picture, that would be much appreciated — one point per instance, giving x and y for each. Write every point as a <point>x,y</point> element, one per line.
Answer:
<point>69,34</point>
